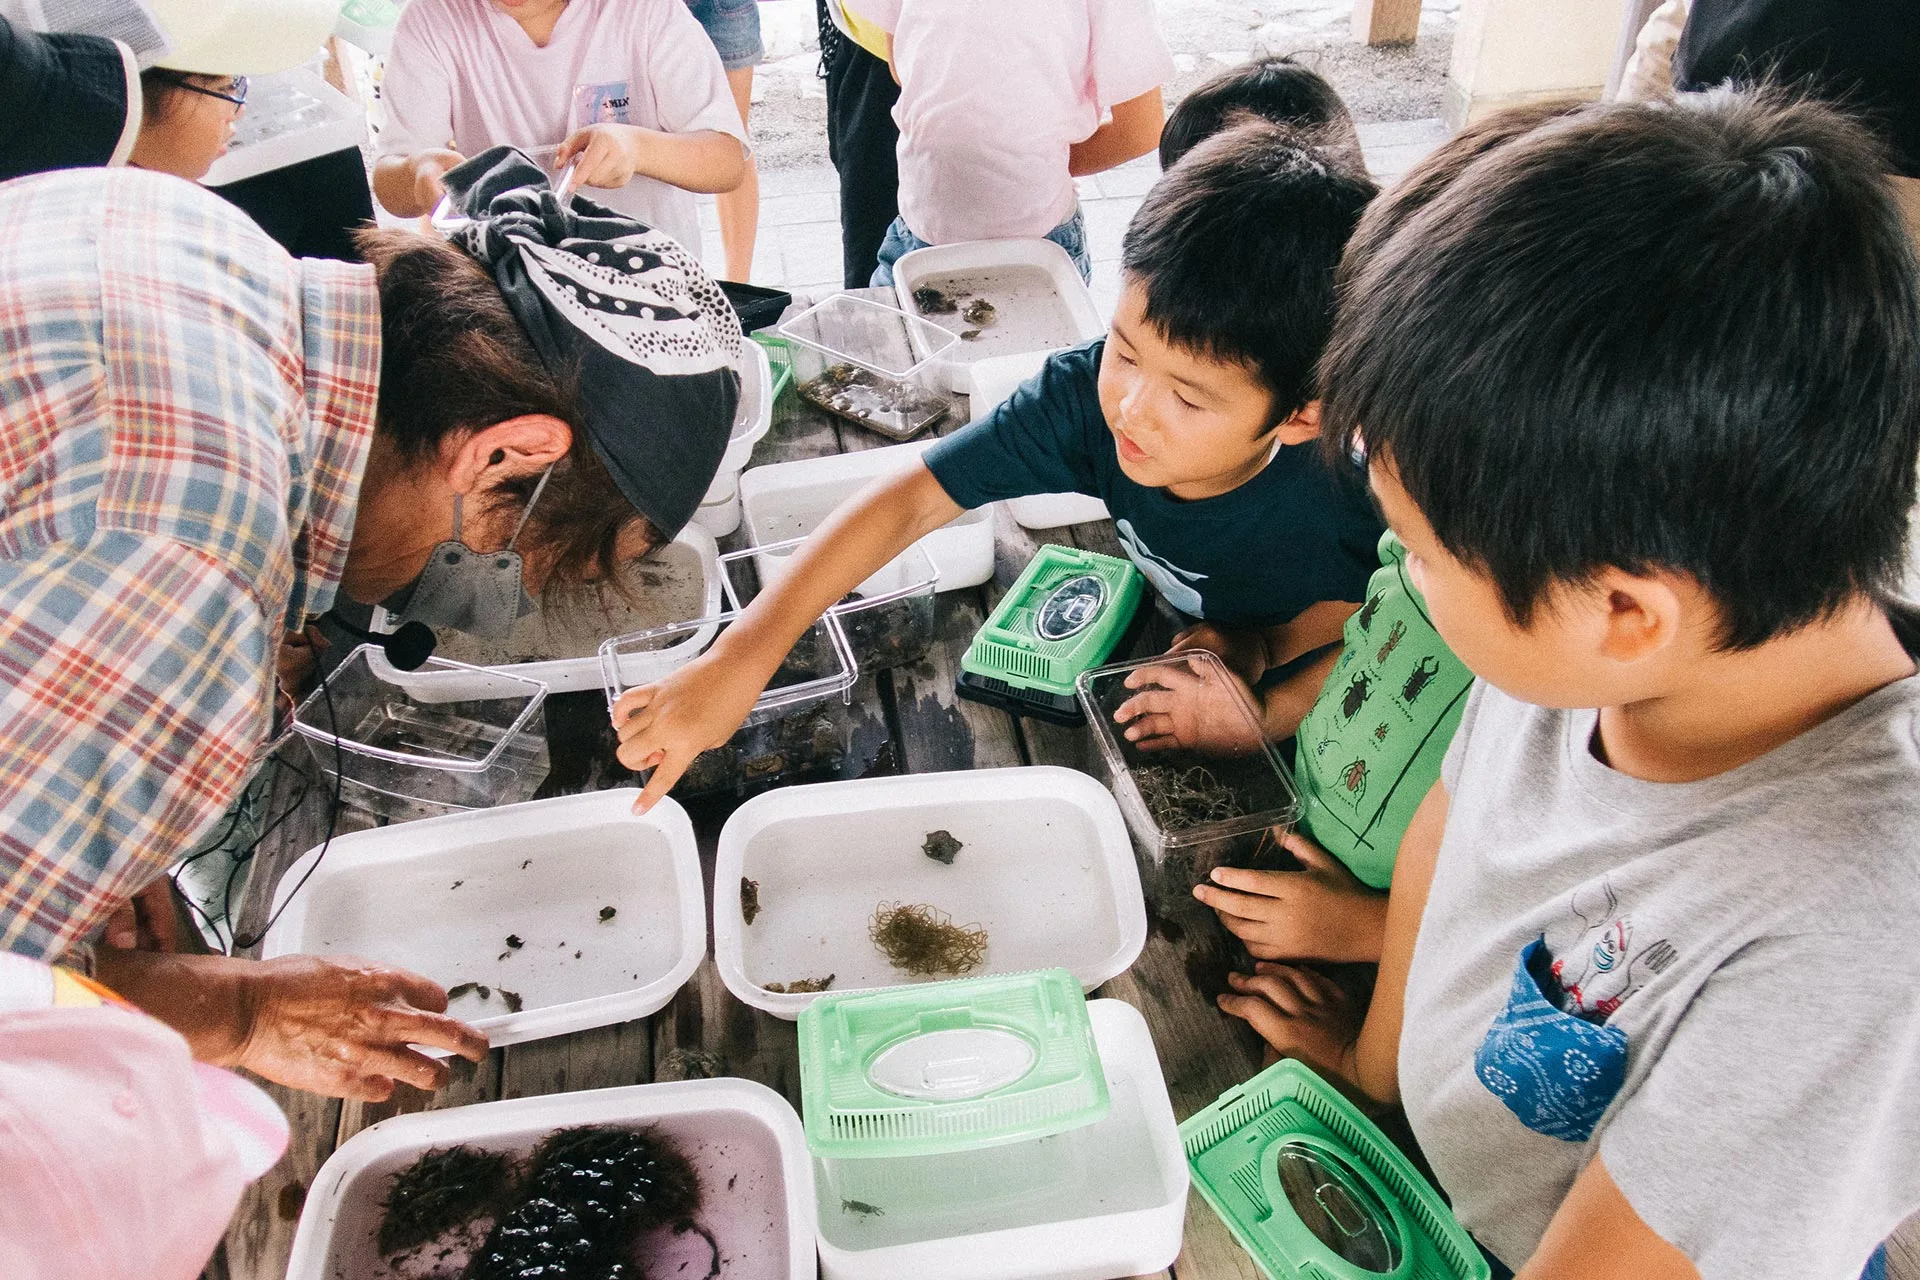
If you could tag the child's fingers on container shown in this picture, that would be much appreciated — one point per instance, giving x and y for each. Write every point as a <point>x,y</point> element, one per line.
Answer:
<point>1260,884</point>
<point>666,772</point>
<point>1244,906</point>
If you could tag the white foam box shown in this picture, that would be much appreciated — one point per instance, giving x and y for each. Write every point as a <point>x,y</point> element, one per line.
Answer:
<point>1039,301</point>
<point>441,896</point>
<point>743,1139</point>
<point>1046,869</point>
<point>1107,1199</point>
<point>789,500</point>
<point>693,548</point>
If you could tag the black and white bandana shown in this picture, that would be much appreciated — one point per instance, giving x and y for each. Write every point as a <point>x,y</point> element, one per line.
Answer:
<point>654,341</point>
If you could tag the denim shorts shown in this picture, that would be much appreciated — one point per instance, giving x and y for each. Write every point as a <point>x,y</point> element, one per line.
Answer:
<point>734,28</point>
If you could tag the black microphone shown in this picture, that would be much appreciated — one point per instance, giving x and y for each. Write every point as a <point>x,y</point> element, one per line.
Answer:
<point>407,648</point>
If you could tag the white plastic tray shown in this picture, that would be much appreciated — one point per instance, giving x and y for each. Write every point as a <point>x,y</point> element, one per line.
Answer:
<point>789,500</point>
<point>562,675</point>
<point>440,897</point>
<point>291,116</point>
<point>1105,1200</point>
<point>1041,303</point>
<point>1045,868</point>
<point>755,415</point>
<point>743,1139</point>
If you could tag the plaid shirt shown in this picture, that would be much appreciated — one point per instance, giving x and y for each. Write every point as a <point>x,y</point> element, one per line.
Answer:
<point>184,416</point>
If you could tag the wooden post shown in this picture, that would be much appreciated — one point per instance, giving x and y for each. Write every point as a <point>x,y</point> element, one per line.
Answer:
<point>1378,22</point>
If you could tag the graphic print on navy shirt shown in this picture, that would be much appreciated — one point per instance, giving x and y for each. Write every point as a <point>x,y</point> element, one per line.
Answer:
<point>1551,1056</point>
<point>1295,534</point>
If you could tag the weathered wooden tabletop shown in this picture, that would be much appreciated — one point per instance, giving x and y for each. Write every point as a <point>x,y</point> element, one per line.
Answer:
<point>911,721</point>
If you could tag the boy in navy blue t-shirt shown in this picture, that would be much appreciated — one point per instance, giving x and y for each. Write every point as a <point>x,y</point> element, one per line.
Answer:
<point>1195,419</point>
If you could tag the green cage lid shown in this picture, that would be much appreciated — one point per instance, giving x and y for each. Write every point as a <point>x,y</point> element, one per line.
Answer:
<point>1311,1188</point>
<point>949,1066</point>
<point>1063,614</point>
<point>779,360</point>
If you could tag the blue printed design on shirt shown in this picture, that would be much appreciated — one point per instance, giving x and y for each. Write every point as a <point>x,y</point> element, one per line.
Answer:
<point>1166,576</point>
<point>1556,1072</point>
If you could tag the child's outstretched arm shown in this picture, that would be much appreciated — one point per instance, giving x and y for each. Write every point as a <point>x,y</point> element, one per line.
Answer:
<point>1304,1015</point>
<point>664,726</point>
<point>1133,131</point>
<point>612,155</point>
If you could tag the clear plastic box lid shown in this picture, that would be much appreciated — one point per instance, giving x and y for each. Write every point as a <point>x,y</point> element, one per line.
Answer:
<point>1224,793</point>
<point>820,665</point>
<point>1309,1186</point>
<point>872,335</point>
<point>743,574</point>
<point>949,1066</point>
<point>356,711</point>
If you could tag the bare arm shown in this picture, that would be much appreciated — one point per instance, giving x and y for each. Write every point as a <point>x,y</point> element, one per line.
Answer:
<point>1250,652</point>
<point>1286,704</point>
<point>1596,1235</point>
<point>1133,131</point>
<point>611,155</point>
<point>1377,1053</point>
<point>663,726</point>
<point>409,186</point>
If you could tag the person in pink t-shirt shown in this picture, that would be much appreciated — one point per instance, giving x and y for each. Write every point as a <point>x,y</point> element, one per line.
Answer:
<point>632,87</point>
<point>1000,109</point>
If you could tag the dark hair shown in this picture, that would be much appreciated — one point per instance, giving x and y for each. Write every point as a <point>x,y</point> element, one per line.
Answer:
<point>1276,89</point>
<point>1236,248</point>
<point>1679,336</point>
<point>453,359</point>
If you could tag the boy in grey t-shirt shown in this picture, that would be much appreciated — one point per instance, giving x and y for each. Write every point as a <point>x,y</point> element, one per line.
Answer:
<point>1640,390</point>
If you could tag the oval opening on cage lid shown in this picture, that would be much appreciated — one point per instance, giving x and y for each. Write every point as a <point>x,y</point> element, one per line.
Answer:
<point>952,1065</point>
<point>1071,608</point>
<point>1334,1202</point>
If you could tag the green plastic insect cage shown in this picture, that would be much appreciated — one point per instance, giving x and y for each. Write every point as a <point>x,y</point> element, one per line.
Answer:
<point>1065,614</point>
<point>1311,1188</point>
<point>949,1066</point>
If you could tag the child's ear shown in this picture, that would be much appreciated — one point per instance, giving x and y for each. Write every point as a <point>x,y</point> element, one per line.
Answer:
<point>1302,426</point>
<point>1644,615</point>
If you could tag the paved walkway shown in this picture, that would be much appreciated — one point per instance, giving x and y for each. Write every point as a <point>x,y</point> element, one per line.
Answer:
<point>799,243</point>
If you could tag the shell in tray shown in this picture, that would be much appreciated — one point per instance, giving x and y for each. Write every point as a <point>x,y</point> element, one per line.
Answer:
<point>743,1141</point>
<point>1043,869</point>
<point>540,918</point>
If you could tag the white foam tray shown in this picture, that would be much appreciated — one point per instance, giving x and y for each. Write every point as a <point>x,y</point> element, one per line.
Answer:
<point>743,1139</point>
<point>790,499</point>
<point>1046,868</point>
<point>979,257</point>
<point>440,896</point>
<point>1105,1200</point>
<point>560,675</point>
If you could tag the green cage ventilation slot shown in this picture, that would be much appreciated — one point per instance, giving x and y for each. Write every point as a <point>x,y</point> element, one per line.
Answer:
<point>1311,1188</point>
<point>949,1066</point>
<point>1065,614</point>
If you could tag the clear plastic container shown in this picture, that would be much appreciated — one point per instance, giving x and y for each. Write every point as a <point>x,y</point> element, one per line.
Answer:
<point>1190,810</point>
<point>399,757</point>
<point>888,619</point>
<point>871,364</point>
<point>798,727</point>
<point>948,1066</point>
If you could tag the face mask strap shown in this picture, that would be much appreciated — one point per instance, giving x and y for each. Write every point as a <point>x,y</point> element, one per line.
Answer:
<point>538,489</point>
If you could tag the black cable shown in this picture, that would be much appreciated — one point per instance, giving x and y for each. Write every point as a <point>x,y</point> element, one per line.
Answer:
<point>241,942</point>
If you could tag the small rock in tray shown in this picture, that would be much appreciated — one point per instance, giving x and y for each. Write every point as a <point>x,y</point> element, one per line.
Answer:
<point>980,312</point>
<point>800,987</point>
<point>932,302</point>
<point>942,847</point>
<point>515,942</point>
<point>608,913</point>
<point>749,899</point>
<point>969,335</point>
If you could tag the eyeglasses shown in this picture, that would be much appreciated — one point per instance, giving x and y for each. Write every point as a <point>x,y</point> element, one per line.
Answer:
<point>236,94</point>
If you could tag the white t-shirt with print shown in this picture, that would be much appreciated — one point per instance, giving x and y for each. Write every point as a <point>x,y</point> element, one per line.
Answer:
<point>992,95</point>
<point>464,74</point>
<point>1709,985</point>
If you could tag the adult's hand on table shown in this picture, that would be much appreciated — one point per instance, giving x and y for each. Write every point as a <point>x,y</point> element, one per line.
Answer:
<point>663,726</point>
<point>1320,912</point>
<point>1188,706</point>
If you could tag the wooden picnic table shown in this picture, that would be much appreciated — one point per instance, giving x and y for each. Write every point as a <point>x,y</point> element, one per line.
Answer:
<point>908,720</point>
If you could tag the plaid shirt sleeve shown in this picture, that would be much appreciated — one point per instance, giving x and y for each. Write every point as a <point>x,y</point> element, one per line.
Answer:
<point>183,419</point>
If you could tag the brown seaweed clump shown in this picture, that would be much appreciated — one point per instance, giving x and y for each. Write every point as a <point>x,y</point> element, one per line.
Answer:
<point>800,986</point>
<point>924,941</point>
<point>1182,798</point>
<point>749,900</point>
<point>445,1188</point>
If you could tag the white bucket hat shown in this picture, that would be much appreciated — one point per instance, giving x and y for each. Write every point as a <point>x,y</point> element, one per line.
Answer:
<point>242,37</point>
